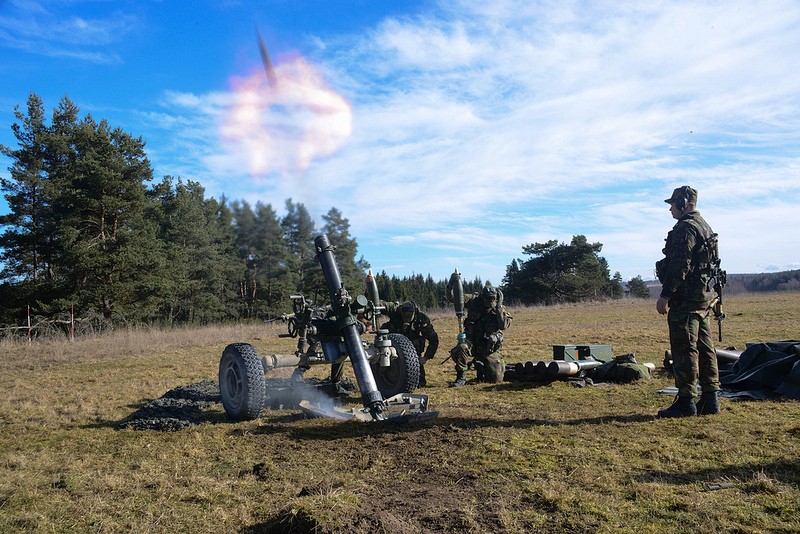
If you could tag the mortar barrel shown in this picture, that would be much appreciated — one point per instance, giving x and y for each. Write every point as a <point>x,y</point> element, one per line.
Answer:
<point>370,396</point>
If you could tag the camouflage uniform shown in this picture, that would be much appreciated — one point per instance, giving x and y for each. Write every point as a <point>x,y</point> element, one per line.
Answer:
<point>685,278</point>
<point>408,320</point>
<point>486,319</point>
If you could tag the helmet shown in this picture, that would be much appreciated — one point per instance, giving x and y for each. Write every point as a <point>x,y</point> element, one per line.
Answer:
<point>489,295</point>
<point>407,310</point>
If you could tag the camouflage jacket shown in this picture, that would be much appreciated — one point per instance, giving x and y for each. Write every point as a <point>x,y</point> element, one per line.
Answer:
<point>418,331</point>
<point>684,271</point>
<point>484,326</point>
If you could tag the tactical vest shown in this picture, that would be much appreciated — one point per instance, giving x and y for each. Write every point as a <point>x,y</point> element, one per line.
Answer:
<point>699,281</point>
<point>705,258</point>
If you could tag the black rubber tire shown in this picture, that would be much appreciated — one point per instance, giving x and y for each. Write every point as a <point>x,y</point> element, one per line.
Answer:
<point>402,376</point>
<point>242,384</point>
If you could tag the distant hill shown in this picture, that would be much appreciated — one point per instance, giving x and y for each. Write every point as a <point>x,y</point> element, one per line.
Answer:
<point>750,283</point>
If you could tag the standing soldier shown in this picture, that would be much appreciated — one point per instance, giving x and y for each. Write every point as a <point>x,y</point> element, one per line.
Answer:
<point>408,320</point>
<point>687,275</point>
<point>482,337</point>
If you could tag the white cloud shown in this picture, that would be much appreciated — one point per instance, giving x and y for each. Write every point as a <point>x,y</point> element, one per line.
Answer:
<point>34,28</point>
<point>576,118</point>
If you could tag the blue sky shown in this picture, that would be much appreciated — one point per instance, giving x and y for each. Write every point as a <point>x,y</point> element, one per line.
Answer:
<point>450,134</point>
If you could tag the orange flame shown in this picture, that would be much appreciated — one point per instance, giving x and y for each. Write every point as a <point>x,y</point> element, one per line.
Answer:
<point>283,128</point>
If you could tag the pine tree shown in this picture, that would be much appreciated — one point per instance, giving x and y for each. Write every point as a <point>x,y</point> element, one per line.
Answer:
<point>195,255</point>
<point>271,260</point>
<point>638,288</point>
<point>298,231</point>
<point>24,241</point>
<point>557,272</point>
<point>109,235</point>
<point>353,271</point>
<point>244,221</point>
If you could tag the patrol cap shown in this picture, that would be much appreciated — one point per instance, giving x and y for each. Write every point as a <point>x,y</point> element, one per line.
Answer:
<point>684,191</point>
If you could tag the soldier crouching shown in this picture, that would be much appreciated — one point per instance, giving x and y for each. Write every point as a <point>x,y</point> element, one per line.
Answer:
<point>482,339</point>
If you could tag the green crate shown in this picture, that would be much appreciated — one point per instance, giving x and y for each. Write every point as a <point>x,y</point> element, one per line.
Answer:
<point>566,352</point>
<point>573,353</point>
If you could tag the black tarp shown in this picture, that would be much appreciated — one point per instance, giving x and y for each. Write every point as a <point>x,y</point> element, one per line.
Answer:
<point>764,370</point>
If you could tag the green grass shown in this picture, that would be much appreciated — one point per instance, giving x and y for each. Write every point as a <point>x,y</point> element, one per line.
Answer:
<point>508,457</point>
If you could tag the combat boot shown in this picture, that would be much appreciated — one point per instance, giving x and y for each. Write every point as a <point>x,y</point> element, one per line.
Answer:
<point>298,375</point>
<point>682,407</point>
<point>461,380</point>
<point>480,370</point>
<point>708,404</point>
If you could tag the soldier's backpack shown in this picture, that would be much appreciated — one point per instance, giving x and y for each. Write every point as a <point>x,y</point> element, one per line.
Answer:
<point>622,370</point>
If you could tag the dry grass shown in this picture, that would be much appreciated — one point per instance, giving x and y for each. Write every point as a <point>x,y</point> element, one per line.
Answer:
<point>508,457</point>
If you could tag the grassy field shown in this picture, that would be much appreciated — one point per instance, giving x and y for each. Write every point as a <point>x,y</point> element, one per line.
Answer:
<point>499,458</point>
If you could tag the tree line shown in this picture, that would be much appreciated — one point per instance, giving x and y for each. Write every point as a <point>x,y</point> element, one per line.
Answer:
<point>89,228</point>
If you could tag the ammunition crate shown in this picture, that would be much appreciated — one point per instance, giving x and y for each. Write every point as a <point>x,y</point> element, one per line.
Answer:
<point>573,353</point>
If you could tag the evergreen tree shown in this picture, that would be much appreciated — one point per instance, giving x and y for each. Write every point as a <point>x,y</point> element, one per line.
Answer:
<point>559,273</point>
<point>195,255</point>
<point>109,234</point>
<point>638,288</point>
<point>616,289</point>
<point>270,261</point>
<point>353,271</point>
<point>244,220</point>
<point>28,225</point>
<point>298,231</point>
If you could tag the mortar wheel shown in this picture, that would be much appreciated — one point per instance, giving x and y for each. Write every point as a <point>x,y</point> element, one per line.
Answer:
<point>242,385</point>
<point>402,375</point>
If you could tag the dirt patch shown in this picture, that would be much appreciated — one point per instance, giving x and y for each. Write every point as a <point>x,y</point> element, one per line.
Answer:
<point>177,409</point>
<point>186,406</point>
<point>413,503</point>
<point>425,495</point>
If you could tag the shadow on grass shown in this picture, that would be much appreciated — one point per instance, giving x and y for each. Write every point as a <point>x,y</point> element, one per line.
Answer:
<point>786,471</point>
<point>194,404</point>
<point>330,429</point>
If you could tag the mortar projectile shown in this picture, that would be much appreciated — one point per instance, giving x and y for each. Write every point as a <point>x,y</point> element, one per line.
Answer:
<point>458,292</point>
<point>564,368</point>
<point>372,289</point>
<point>265,59</point>
<point>280,360</point>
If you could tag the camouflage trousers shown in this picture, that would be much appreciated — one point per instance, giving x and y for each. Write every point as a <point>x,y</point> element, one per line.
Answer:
<point>693,356</point>
<point>489,367</point>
